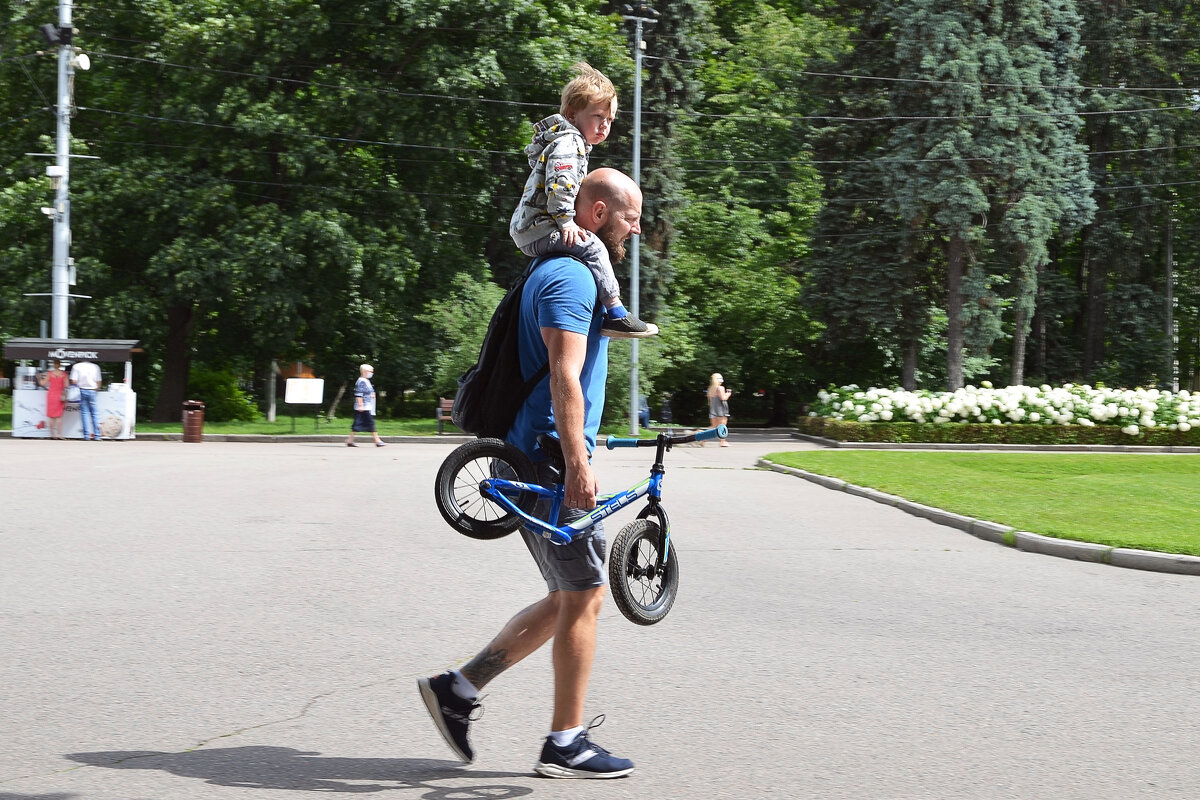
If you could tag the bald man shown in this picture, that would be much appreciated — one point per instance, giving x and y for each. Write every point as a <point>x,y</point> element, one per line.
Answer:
<point>560,325</point>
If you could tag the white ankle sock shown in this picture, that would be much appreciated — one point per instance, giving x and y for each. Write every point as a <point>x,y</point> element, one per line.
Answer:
<point>564,738</point>
<point>463,687</point>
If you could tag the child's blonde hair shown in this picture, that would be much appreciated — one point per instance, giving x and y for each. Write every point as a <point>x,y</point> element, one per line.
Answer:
<point>589,86</point>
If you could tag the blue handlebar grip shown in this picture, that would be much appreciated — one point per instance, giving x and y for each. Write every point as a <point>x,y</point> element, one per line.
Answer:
<point>719,432</point>
<point>616,441</point>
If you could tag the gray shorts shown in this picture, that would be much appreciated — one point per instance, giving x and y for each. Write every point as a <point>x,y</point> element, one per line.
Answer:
<point>574,567</point>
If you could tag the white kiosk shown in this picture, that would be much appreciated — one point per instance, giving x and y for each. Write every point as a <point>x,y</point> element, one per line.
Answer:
<point>116,403</point>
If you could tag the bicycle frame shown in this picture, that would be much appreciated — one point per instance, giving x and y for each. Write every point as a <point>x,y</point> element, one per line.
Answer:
<point>607,504</point>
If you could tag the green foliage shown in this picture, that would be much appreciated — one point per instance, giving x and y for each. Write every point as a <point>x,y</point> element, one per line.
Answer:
<point>332,183</point>
<point>282,180</point>
<point>743,230</point>
<point>459,322</point>
<point>224,400</point>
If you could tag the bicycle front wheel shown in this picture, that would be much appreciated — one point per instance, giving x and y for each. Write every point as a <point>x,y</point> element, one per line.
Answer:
<point>456,488</point>
<point>643,586</point>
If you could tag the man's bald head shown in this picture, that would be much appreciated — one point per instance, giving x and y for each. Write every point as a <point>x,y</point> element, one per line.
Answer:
<point>609,204</point>
<point>611,186</point>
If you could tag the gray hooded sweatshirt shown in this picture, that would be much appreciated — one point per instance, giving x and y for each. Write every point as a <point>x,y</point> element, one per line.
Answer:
<point>558,161</point>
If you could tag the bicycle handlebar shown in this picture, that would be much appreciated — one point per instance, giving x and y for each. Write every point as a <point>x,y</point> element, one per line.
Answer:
<point>719,432</point>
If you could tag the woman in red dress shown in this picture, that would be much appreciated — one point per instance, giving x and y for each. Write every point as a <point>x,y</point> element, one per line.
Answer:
<point>55,381</point>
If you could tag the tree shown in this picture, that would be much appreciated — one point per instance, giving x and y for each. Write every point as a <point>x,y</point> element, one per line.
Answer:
<point>302,188</point>
<point>751,195</point>
<point>968,124</point>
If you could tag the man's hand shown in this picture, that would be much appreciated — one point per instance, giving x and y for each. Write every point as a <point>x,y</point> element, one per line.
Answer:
<point>573,235</point>
<point>582,487</point>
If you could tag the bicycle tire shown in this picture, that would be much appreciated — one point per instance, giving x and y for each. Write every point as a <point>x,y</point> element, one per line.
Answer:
<point>456,488</point>
<point>643,588</point>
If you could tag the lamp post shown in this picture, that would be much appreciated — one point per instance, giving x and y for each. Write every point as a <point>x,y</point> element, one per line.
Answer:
<point>68,59</point>
<point>640,16</point>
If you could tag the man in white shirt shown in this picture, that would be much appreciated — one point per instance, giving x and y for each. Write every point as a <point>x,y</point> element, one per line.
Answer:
<point>86,376</point>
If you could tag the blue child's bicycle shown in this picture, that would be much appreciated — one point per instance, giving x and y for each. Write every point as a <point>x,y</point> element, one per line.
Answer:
<point>487,488</point>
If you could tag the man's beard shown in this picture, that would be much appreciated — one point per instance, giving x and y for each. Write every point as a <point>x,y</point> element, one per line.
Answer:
<point>612,241</point>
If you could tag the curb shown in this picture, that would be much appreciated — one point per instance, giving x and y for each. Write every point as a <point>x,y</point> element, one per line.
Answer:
<point>997,533</point>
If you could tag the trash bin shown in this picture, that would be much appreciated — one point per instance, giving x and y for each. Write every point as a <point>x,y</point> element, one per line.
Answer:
<point>193,421</point>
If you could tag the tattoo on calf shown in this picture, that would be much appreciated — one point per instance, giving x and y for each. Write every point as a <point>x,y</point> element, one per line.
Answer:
<point>487,665</point>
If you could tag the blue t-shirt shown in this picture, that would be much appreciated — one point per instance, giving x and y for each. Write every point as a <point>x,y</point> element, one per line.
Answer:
<point>560,293</point>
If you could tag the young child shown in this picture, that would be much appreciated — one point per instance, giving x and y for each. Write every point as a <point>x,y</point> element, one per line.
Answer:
<point>544,221</point>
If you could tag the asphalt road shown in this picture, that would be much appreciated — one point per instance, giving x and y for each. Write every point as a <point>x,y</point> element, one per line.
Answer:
<point>232,620</point>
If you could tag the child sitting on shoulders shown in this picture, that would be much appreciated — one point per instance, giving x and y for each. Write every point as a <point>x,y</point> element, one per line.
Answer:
<point>544,221</point>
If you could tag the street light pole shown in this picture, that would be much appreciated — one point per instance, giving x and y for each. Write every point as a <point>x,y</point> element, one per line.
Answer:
<point>60,276</point>
<point>640,16</point>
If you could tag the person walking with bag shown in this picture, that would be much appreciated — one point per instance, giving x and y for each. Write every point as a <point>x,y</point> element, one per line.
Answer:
<point>364,406</point>
<point>561,326</point>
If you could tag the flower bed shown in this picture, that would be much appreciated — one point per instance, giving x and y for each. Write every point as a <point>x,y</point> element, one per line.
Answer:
<point>1068,414</point>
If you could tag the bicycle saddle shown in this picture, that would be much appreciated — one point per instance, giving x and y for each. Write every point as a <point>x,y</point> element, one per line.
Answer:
<point>552,447</point>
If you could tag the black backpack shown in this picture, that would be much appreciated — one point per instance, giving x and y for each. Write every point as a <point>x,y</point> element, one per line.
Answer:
<point>491,393</point>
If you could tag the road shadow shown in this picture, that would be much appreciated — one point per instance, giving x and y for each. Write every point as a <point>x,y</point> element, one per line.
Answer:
<point>262,767</point>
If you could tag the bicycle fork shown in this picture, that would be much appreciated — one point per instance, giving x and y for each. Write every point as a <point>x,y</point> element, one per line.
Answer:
<point>654,508</point>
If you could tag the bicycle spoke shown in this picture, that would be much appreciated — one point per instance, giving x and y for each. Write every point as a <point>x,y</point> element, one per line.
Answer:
<point>467,495</point>
<point>645,581</point>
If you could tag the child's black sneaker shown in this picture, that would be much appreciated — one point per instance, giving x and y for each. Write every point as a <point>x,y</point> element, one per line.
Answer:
<point>627,327</point>
<point>582,758</point>
<point>451,713</point>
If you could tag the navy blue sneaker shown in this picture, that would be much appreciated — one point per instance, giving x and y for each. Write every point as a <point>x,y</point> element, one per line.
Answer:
<point>582,758</point>
<point>451,713</point>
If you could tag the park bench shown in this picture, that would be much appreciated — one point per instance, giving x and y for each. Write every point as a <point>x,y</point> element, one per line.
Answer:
<point>444,407</point>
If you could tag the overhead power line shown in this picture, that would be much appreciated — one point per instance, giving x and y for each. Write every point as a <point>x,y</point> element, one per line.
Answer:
<point>344,139</point>
<point>320,85</point>
<point>751,117</point>
<point>944,81</point>
<point>26,116</point>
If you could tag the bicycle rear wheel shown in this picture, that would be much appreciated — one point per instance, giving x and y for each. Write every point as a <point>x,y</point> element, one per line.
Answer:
<point>642,585</point>
<point>456,488</point>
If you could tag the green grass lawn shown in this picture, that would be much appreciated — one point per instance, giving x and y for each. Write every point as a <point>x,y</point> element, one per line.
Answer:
<point>1145,501</point>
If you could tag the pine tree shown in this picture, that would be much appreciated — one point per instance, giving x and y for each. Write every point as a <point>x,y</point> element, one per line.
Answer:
<point>979,159</point>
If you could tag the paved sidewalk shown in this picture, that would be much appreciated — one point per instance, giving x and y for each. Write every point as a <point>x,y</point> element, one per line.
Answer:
<point>1006,535</point>
<point>213,621</point>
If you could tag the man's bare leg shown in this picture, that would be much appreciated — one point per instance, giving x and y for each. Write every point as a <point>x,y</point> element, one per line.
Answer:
<point>451,711</point>
<point>574,652</point>
<point>528,630</point>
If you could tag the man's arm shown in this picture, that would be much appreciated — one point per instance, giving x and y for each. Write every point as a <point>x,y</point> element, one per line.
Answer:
<point>567,352</point>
